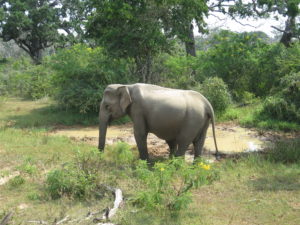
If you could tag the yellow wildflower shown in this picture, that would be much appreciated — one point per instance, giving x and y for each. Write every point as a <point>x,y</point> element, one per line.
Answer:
<point>204,166</point>
<point>162,169</point>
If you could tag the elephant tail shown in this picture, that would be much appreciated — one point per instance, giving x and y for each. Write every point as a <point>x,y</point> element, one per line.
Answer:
<point>214,134</point>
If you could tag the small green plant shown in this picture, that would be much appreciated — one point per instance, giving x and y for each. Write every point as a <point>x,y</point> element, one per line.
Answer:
<point>167,185</point>
<point>90,162</point>
<point>77,179</point>
<point>28,168</point>
<point>16,182</point>
<point>69,181</point>
<point>33,196</point>
<point>119,154</point>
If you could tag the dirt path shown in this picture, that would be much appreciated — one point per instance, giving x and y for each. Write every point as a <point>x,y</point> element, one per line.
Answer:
<point>230,138</point>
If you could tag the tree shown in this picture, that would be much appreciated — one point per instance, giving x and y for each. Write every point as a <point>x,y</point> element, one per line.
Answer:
<point>289,9</point>
<point>128,29</point>
<point>178,17</point>
<point>34,24</point>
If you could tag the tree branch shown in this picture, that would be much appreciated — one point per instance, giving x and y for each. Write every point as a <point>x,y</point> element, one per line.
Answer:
<point>243,24</point>
<point>276,28</point>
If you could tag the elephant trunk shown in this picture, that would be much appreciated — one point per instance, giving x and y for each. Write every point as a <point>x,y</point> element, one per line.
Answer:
<point>102,130</point>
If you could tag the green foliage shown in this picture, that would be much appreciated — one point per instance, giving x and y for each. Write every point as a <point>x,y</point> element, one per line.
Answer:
<point>69,181</point>
<point>285,152</point>
<point>22,78</point>
<point>271,8</point>
<point>285,104</point>
<point>168,184</point>
<point>33,196</point>
<point>33,24</point>
<point>216,91</point>
<point>82,73</point>
<point>28,168</point>
<point>77,179</point>
<point>278,108</point>
<point>178,72</point>
<point>234,58</point>
<point>119,154</point>
<point>89,161</point>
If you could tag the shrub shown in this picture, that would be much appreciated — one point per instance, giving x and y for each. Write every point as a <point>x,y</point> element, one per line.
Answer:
<point>24,79</point>
<point>82,73</point>
<point>119,154</point>
<point>69,181</point>
<point>178,72</point>
<point>76,179</point>
<point>285,104</point>
<point>278,108</point>
<point>234,58</point>
<point>216,91</point>
<point>285,152</point>
<point>168,184</point>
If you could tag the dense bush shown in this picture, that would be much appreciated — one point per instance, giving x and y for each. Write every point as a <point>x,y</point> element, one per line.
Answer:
<point>216,91</point>
<point>179,72</point>
<point>285,103</point>
<point>24,79</point>
<point>234,58</point>
<point>82,73</point>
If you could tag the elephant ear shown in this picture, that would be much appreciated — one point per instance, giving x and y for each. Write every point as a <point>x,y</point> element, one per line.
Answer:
<point>125,99</point>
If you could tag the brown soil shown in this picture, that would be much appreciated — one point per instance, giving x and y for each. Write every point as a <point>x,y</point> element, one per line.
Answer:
<point>230,138</point>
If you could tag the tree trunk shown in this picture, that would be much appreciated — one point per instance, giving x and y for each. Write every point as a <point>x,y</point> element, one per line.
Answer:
<point>143,68</point>
<point>289,30</point>
<point>190,46</point>
<point>140,70</point>
<point>149,69</point>
<point>36,55</point>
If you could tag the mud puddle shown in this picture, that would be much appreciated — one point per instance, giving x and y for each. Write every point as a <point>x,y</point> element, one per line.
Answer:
<point>230,138</point>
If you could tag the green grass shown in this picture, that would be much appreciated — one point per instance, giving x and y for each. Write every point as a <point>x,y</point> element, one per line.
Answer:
<point>250,116</point>
<point>254,189</point>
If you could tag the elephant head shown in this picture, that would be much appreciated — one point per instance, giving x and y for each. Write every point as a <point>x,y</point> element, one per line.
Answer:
<point>115,102</point>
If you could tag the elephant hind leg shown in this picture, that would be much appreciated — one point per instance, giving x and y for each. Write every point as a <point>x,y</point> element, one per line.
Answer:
<point>173,147</point>
<point>182,147</point>
<point>199,141</point>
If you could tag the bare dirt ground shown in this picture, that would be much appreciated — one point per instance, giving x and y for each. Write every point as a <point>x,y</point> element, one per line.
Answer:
<point>231,138</point>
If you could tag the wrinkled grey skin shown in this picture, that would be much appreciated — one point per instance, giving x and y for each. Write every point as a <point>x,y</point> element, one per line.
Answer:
<point>180,117</point>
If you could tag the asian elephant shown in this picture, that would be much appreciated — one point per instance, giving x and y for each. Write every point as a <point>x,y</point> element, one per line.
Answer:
<point>180,117</point>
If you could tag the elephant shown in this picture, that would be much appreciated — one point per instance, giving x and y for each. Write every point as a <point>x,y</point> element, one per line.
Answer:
<point>180,117</point>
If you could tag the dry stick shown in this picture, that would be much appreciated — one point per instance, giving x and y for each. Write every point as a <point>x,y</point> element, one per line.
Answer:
<point>6,218</point>
<point>37,221</point>
<point>62,220</point>
<point>111,212</point>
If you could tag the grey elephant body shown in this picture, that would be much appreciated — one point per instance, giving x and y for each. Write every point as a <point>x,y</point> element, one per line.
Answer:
<point>180,117</point>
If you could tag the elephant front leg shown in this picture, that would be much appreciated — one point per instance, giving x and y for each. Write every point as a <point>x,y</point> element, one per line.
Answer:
<point>141,141</point>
